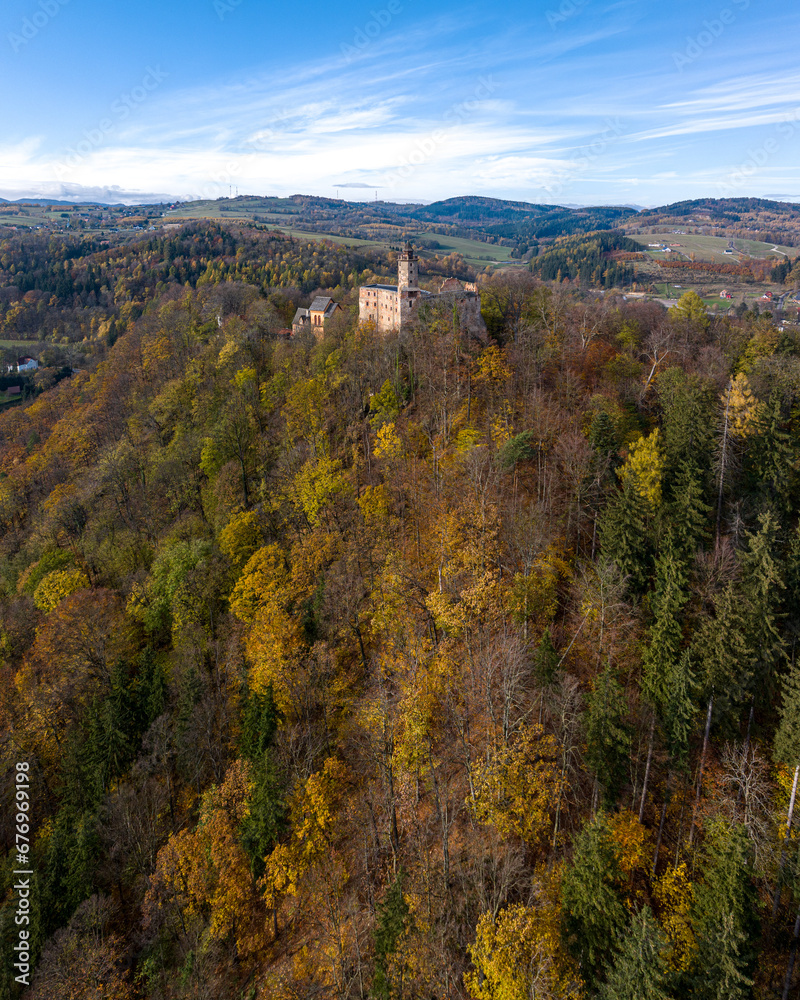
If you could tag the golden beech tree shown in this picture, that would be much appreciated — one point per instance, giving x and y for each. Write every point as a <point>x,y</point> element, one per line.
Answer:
<point>206,873</point>
<point>519,955</point>
<point>57,585</point>
<point>675,894</point>
<point>308,864</point>
<point>517,785</point>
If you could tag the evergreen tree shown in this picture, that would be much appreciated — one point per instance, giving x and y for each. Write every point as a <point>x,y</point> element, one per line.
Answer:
<point>593,914</point>
<point>608,736</point>
<point>666,634</point>
<point>639,971</point>
<point>762,585</point>
<point>267,811</point>
<point>688,405</point>
<point>724,918</point>
<point>787,738</point>
<point>547,659</point>
<point>391,923</point>
<point>678,709</point>
<point>772,459</point>
<point>725,658</point>
<point>686,515</point>
<point>624,535</point>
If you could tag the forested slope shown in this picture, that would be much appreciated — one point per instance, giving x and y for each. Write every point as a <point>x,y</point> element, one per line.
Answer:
<point>407,667</point>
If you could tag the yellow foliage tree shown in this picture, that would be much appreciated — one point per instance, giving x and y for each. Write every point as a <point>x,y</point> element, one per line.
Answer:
<point>316,485</point>
<point>675,894</point>
<point>518,955</point>
<point>743,408</point>
<point>644,467</point>
<point>516,787</point>
<point>240,538</point>
<point>388,444</point>
<point>206,872</point>
<point>312,811</point>
<point>263,582</point>
<point>57,585</point>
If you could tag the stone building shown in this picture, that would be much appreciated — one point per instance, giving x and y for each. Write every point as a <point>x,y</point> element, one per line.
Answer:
<point>314,318</point>
<point>393,307</point>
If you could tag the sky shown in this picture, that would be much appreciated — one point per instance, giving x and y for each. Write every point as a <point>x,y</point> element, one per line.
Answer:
<point>572,102</point>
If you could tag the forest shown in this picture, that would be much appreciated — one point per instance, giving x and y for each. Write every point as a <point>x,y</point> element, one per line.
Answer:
<point>409,666</point>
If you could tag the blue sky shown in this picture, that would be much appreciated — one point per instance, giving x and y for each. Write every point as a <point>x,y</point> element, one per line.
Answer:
<point>558,101</point>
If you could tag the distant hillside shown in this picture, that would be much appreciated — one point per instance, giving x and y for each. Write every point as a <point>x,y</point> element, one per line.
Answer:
<point>747,218</point>
<point>590,259</point>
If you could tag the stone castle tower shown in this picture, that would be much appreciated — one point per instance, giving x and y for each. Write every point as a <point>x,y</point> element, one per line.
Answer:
<point>407,268</point>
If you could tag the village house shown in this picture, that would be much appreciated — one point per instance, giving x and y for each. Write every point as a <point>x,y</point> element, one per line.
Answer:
<point>24,364</point>
<point>393,307</point>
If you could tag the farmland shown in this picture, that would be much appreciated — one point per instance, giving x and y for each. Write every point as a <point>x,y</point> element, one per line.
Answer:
<point>712,248</point>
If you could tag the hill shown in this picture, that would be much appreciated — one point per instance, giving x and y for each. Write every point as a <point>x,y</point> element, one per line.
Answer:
<point>422,665</point>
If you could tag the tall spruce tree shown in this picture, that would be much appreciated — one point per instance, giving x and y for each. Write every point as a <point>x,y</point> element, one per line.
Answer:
<point>593,914</point>
<point>724,656</point>
<point>762,589</point>
<point>724,917</point>
<point>608,735</point>
<point>625,536</point>
<point>639,971</point>
<point>787,737</point>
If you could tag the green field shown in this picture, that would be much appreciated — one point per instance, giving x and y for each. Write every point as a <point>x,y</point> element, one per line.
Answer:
<point>474,252</point>
<point>711,249</point>
<point>26,344</point>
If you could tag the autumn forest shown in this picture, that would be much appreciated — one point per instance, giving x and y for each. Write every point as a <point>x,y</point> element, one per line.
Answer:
<point>432,665</point>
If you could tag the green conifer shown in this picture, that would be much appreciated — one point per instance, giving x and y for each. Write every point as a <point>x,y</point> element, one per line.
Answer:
<point>639,971</point>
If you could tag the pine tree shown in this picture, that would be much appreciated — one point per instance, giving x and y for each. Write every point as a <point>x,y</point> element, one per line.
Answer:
<point>686,515</point>
<point>666,634</point>
<point>762,585</point>
<point>624,535</point>
<point>772,458</point>
<point>593,915</point>
<point>724,918</point>
<point>678,709</point>
<point>608,736</point>
<point>639,971</point>
<point>688,405</point>
<point>390,925</point>
<point>787,738</point>
<point>725,658</point>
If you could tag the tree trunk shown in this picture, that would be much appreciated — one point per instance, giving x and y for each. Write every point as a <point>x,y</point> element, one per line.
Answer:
<point>700,769</point>
<point>724,456</point>
<point>777,899</point>
<point>792,957</point>
<point>647,767</point>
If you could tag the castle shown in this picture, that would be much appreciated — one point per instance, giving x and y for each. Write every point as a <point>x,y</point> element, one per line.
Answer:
<point>393,307</point>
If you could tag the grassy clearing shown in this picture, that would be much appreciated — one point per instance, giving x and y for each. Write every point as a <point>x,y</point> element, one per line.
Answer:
<point>26,345</point>
<point>711,249</point>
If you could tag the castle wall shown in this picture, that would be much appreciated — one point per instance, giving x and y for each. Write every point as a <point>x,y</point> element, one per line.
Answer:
<point>379,306</point>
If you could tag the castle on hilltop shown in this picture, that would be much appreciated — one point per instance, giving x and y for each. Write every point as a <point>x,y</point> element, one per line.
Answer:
<point>393,307</point>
